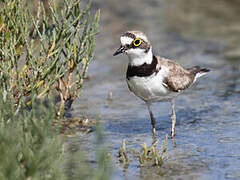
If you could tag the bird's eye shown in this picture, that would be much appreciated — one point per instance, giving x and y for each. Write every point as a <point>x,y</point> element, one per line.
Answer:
<point>137,42</point>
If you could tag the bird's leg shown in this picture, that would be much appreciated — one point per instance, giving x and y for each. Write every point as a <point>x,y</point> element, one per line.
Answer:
<point>153,121</point>
<point>173,117</point>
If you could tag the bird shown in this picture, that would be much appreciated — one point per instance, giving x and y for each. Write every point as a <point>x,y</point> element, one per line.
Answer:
<point>153,78</point>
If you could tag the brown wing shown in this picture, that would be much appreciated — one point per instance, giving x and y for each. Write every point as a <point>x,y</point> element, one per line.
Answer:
<point>178,78</point>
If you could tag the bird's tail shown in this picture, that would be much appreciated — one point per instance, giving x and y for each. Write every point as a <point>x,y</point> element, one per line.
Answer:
<point>197,71</point>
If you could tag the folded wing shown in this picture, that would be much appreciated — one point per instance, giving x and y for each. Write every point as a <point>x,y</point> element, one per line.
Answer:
<point>179,78</point>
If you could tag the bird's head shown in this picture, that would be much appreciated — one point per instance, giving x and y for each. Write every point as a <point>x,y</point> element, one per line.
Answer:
<point>135,44</point>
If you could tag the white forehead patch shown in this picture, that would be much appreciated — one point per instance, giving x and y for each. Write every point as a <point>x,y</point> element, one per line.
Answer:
<point>125,40</point>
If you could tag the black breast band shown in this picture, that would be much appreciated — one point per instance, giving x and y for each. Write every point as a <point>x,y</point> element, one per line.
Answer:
<point>143,70</point>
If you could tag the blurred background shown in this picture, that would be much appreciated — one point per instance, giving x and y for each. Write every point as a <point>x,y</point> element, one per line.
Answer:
<point>191,32</point>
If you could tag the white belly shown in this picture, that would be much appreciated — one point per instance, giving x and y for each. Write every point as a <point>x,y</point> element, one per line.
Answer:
<point>150,89</point>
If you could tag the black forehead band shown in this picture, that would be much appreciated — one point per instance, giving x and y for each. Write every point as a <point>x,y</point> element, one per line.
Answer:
<point>144,45</point>
<point>128,34</point>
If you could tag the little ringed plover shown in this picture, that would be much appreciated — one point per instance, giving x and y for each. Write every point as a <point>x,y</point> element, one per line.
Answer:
<point>153,78</point>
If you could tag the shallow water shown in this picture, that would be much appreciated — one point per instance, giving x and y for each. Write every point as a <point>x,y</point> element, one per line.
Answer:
<point>192,33</point>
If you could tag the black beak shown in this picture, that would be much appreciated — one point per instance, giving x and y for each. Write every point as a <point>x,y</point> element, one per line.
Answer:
<point>119,50</point>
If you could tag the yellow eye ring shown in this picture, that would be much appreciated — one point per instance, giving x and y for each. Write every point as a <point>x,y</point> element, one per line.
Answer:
<point>137,42</point>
